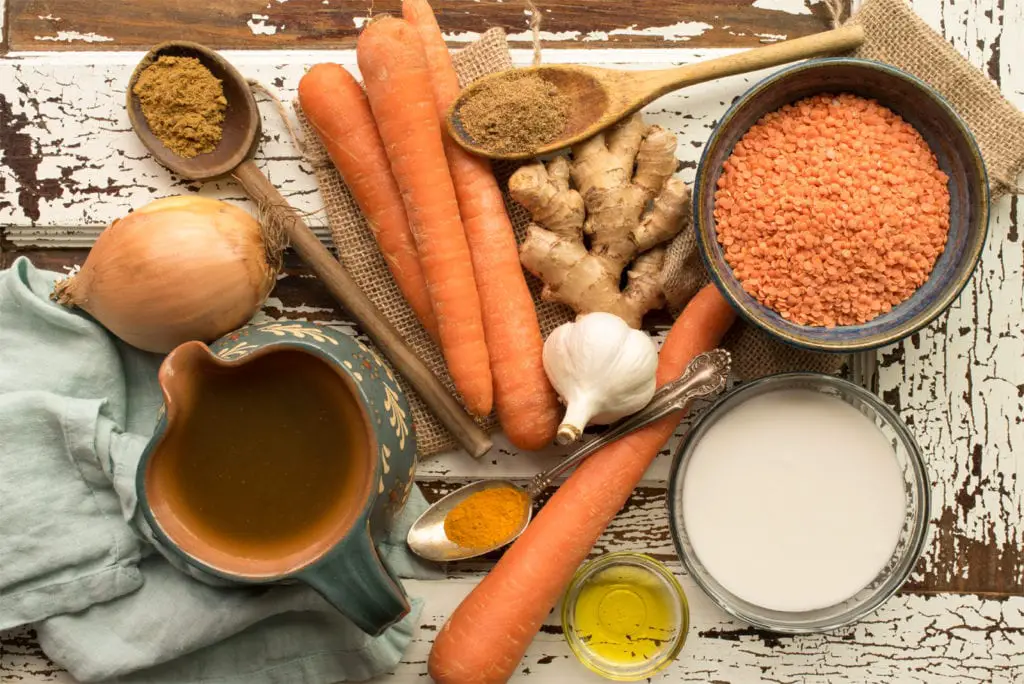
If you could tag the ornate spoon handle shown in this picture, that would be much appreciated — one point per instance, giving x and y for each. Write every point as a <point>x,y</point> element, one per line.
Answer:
<point>706,374</point>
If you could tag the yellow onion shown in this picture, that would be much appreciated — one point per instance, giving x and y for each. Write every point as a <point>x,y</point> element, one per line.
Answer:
<point>178,269</point>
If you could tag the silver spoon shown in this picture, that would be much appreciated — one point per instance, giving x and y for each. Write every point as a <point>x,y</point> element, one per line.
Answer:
<point>706,375</point>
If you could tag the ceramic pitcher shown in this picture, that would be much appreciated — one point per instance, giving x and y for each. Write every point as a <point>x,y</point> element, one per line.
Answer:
<point>341,564</point>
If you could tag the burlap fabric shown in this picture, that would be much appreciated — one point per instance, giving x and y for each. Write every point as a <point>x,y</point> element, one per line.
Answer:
<point>895,35</point>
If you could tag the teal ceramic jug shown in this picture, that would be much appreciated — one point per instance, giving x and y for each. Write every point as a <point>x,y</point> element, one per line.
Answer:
<point>228,511</point>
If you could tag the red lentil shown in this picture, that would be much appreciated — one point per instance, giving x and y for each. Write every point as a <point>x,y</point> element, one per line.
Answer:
<point>832,210</point>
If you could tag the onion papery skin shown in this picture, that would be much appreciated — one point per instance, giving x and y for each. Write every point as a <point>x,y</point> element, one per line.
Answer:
<point>178,269</point>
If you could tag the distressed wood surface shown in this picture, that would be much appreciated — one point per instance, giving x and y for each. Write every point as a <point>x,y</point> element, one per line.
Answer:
<point>69,165</point>
<point>945,639</point>
<point>273,24</point>
<point>960,383</point>
<point>86,174</point>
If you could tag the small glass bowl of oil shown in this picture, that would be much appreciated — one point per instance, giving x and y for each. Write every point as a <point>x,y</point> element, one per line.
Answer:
<point>625,616</point>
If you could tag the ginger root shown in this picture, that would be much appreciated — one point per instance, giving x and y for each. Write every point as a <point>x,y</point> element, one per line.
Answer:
<point>614,205</point>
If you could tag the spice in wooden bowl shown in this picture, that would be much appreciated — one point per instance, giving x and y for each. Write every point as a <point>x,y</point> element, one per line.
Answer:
<point>183,103</point>
<point>516,113</point>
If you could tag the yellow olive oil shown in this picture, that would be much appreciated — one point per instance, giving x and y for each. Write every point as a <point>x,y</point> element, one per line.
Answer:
<point>625,615</point>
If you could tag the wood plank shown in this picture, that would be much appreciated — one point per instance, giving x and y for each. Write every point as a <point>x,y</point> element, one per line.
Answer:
<point>947,639</point>
<point>961,560</point>
<point>131,24</point>
<point>3,26</point>
<point>960,383</point>
<point>70,160</point>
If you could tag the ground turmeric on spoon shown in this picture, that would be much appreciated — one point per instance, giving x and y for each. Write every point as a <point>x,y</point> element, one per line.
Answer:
<point>487,518</point>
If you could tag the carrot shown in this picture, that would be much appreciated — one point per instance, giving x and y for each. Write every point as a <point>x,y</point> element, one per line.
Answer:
<point>527,405</point>
<point>397,79</point>
<point>487,635</point>
<point>336,107</point>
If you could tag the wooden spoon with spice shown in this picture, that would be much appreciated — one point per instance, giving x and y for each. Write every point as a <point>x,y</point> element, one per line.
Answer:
<point>524,113</point>
<point>487,515</point>
<point>206,125</point>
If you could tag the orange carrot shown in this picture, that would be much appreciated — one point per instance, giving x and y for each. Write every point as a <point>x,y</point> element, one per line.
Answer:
<point>527,405</point>
<point>484,640</point>
<point>397,79</point>
<point>336,107</point>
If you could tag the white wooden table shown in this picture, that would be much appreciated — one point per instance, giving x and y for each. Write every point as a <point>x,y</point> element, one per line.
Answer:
<point>69,165</point>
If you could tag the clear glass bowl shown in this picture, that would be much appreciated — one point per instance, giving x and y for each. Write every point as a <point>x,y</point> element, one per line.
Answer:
<point>913,535</point>
<point>627,573</point>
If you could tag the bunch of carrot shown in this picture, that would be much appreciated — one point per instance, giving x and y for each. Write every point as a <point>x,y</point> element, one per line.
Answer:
<point>438,216</point>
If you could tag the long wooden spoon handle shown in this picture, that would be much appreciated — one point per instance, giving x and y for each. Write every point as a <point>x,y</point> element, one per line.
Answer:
<point>340,284</point>
<point>831,42</point>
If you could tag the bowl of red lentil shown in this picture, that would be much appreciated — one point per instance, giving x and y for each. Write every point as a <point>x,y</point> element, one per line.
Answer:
<point>841,204</point>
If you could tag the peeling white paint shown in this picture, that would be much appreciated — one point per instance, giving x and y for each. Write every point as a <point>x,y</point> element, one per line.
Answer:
<point>358,22</point>
<point>771,37</point>
<point>545,36</point>
<point>684,30</point>
<point>290,311</point>
<point>73,36</point>
<point>259,27</point>
<point>48,17</point>
<point>787,6</point>
<point>461,37</point>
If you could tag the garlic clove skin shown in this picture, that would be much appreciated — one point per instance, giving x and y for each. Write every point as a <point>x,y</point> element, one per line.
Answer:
<point>601,368</point>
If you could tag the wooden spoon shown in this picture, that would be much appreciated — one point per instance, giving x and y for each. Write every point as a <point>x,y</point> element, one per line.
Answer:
<point>233,157</point>
<point>601,97</point>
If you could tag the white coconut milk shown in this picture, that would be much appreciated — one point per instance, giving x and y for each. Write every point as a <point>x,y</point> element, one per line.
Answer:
<point>793,500</point>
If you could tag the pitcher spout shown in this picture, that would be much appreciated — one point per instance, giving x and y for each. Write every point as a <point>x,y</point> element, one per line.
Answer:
<point>181,370</point>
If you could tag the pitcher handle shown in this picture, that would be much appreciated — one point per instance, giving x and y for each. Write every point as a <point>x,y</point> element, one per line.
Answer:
<point>352,578</point>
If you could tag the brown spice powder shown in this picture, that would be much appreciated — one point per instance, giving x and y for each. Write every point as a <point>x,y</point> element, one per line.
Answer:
<point>183,103</point>
<point>516,113</point>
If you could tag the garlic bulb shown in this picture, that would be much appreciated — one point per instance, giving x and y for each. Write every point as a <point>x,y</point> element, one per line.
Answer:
<point>178,269</point>
<point>601,368</point>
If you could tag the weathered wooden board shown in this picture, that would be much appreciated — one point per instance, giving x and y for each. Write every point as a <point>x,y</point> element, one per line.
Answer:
<point>277,24</point>
<point>69,159</point>
<point>945,639</point>
<point>68,165</point>
<point>86,173</point>
<point>960,384</point>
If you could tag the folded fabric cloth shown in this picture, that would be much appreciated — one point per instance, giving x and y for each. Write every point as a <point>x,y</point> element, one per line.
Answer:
<point>77,407</point>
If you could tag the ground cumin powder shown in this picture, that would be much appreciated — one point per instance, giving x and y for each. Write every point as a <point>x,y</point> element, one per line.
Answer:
<point>487,518</point>
<point>183,103</point>
<point>516,113</point>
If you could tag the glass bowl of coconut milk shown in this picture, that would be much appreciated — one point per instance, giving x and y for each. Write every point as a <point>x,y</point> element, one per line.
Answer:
<point>799,502</point>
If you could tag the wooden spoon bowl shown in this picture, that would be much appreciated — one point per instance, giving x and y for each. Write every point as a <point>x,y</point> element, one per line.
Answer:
<point>241,119</point>
<point>599,98</point>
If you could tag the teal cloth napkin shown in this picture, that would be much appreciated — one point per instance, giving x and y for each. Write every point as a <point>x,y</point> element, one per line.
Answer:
<point>77,407</point>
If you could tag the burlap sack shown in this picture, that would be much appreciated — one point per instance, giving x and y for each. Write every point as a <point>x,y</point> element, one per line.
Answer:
<point>895,35</point>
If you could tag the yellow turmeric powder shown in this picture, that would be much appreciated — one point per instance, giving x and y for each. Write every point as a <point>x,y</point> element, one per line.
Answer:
<point>487,518</point>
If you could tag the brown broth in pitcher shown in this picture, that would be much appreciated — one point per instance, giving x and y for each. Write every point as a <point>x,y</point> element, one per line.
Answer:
<point>270,464</point>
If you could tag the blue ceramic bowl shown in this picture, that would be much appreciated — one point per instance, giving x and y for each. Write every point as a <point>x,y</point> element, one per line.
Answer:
<point>947,135</point>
